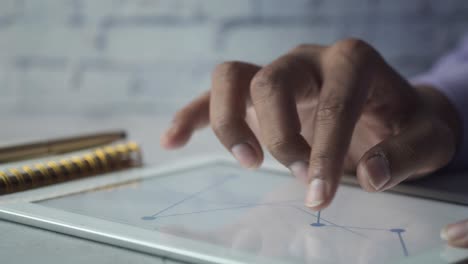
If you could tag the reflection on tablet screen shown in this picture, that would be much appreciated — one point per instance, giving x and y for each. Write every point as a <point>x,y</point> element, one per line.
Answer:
<point>262,213</point>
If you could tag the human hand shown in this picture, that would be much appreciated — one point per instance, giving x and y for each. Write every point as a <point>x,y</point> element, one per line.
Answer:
<point>322,110</point>
<point>456,234</point>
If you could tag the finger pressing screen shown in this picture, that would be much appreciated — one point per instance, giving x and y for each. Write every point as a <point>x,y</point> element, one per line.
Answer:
<point>341,100</point>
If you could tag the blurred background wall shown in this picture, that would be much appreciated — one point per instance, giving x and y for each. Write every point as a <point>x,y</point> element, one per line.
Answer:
<point>114,57</point>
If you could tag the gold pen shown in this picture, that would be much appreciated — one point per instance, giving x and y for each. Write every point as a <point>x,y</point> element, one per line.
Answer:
<point>58,146</point>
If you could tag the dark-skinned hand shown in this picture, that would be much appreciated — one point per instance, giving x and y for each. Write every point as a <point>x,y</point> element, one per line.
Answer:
<point>322,111</point>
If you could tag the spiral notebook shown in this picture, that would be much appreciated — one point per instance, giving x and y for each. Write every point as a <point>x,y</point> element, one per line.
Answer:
<point>30,174</point>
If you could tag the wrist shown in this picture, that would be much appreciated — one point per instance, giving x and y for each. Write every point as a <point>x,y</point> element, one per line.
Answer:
<point>442,109</point>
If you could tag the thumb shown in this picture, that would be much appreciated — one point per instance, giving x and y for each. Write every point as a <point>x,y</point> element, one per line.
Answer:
<point>421,148</point>
<point>456,234</point>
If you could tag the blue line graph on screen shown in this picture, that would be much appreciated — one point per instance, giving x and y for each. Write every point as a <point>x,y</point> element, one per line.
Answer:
<point>319,220</point>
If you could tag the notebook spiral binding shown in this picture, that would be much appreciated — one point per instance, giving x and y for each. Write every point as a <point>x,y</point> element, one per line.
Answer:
<point>101,160</point>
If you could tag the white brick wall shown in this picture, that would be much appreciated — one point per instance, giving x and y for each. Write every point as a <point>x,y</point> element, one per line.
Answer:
<point>244,43</point>
<point>87,57</point>
<point>154,43</point>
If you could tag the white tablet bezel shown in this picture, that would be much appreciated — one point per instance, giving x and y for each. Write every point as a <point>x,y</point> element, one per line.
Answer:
<point>20,208</point>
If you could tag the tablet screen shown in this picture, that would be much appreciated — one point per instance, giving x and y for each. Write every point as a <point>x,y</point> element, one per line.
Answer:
<point>262,213</point>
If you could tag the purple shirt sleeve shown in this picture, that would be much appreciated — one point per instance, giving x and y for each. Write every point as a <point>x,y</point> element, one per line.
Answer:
<point>450,76</point>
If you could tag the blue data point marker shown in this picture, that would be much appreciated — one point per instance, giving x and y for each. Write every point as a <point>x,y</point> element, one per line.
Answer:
<point>148,218</point>
<point>317,224</point>
<point>399,231</point>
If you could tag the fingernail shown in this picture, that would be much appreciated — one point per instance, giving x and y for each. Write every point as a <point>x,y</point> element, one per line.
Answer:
<point>443,234</point>
<point>245,154</point>
<point>454,232</point>
<point>316,194</point>
<point>300,170</point>
<point>378,170</point>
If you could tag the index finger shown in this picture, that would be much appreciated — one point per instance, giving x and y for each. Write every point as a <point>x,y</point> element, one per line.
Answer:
<point>342,97</point>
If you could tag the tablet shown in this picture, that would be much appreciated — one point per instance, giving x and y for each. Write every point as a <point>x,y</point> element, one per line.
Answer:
<point>215,212</point>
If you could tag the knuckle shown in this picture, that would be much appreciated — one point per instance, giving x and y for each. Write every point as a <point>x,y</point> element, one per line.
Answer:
<point>227,67</point>
<point>353,49</point>
<point>302,46</point>
<point>353,45</point>
<point>265,78</point>
<point>266,82</point>
<point>320,159</point>
<point>279,147</point>
<point>228,129</point>
<point>305,48</point>
<point>227,70</point>
<point>331,110</point>
<point>222,126</point>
